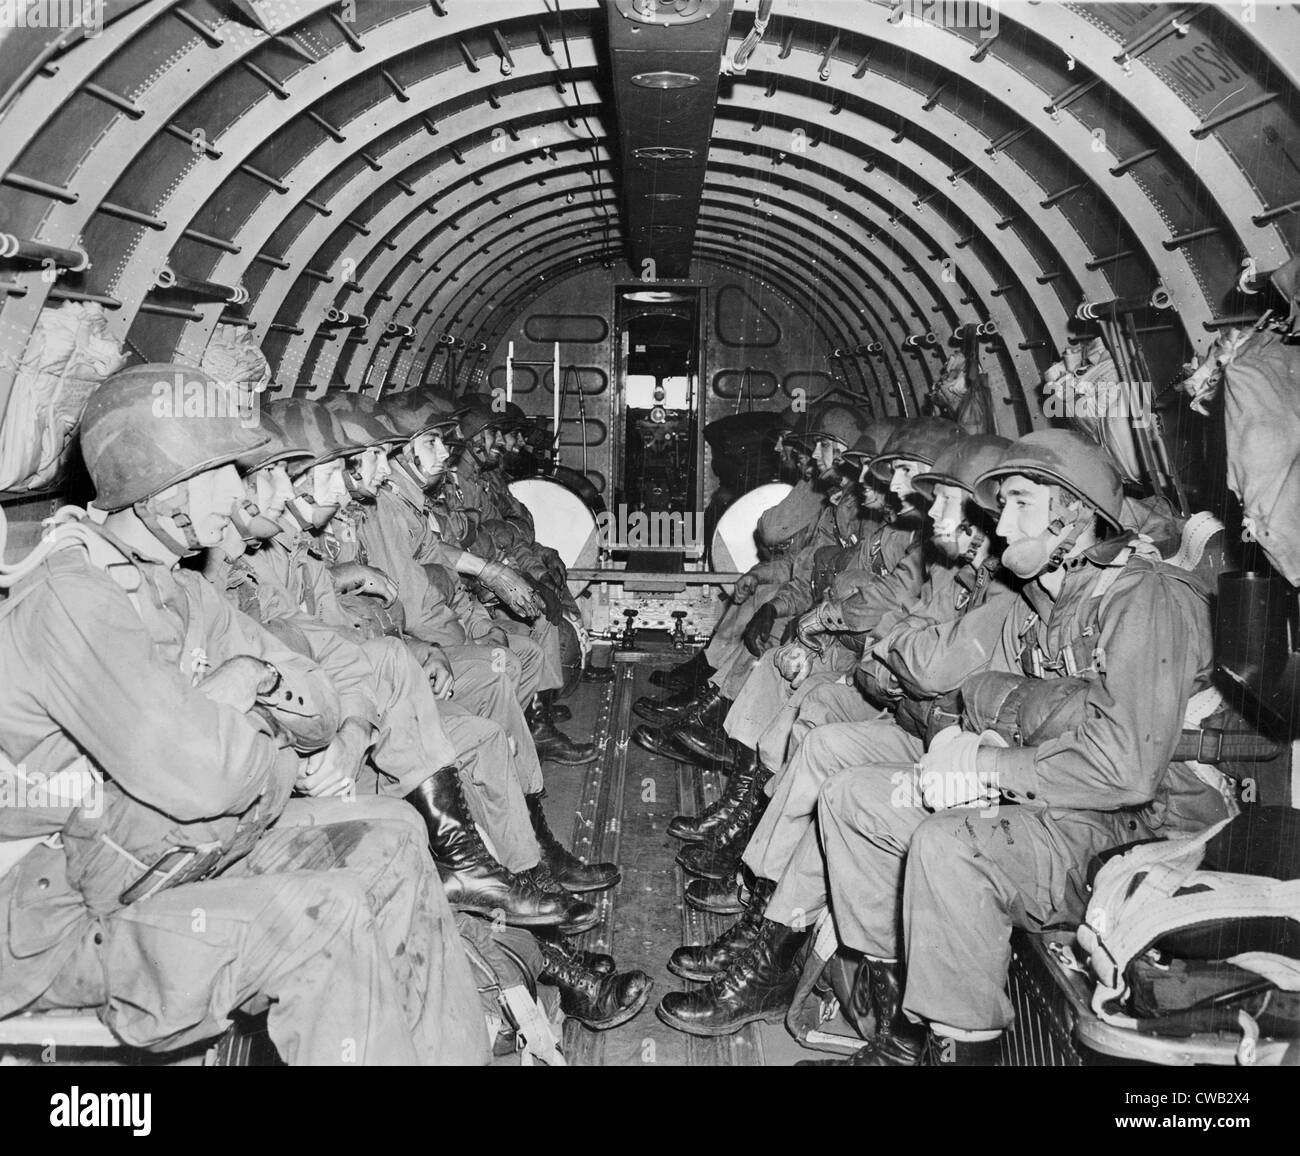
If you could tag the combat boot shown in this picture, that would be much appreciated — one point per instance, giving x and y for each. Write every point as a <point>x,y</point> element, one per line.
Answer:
<point>703,961</point>
<point>660,742</point>
<point>709,712</point>
<point>596,1001</point>
<point>898,1042</point>
<point>663,742</point>
<point>471,877</point>
<point>579,916</point>
<point>719,856</point>
<point>712,750</point>
<point>716,896</point>
<point>698,828</point>
<point>757,985</point>
<point>675,707</point>
<point>686,675</point>
<point>595,961</point>
<point>553,744</point>
<point>569,871</point>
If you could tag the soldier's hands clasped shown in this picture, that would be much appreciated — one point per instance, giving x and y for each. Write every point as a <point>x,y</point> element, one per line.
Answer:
<point>239,682</point>
<point>354,578</point>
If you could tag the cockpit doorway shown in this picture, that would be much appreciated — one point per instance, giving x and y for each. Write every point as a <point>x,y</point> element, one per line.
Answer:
<point>658,373</point>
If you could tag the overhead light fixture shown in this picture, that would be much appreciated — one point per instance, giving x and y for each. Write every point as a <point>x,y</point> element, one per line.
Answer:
<point>665,79</point>
<point>654,296</point>
<point>664,153</point>
<point>663,197</point>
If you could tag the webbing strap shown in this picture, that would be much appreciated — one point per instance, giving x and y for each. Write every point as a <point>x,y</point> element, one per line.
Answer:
<point>1034,658</point>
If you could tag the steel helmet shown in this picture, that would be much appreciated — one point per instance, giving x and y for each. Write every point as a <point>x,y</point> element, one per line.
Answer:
<point>842,423</point>
<point>139,433</point>
<point>1059,457</point>
<point>281,448</point>
<point>513,417</point>
<point>309,424</point>
<point>873,439</point>
<point>361,422</point>
<point>798,429</point>
<point>417,412</point>
<point>961,462</point>
<point>475,414</point>
<point>919,440</point>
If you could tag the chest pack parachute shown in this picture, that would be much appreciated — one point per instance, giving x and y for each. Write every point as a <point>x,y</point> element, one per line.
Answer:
<point>1203,933</point>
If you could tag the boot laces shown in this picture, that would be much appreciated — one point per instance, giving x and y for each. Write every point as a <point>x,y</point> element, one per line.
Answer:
<point>731,797</point>
<point>695,715</point>
<point>749,960</point>
<point>742,925</point>
<point>541,880</point>
<point>723,840</point>
<point>568,970</point>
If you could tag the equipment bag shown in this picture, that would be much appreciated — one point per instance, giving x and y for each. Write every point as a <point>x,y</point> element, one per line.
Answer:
<point>1238,933</point>
<point>234,356</point>
<point>521,1015</point>
<point>69,354</point>
<point>1261,410</point>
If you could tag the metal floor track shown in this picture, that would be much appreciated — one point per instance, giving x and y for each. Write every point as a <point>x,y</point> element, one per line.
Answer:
<point>620,811</point>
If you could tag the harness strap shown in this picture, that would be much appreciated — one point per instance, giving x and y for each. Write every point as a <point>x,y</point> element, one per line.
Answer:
<point>70,526</point>
<point>1034,658</point>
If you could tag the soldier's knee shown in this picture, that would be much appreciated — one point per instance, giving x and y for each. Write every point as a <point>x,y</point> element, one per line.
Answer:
<point>822,746</point>
<point>942,841</point>
<point>835,793</point>
<point>860,796</point>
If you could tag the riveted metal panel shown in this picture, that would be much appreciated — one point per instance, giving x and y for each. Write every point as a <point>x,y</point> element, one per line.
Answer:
<point>580,329</point>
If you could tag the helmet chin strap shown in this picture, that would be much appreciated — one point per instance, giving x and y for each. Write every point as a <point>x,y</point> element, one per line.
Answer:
<point>250,523</point>
<point>1019,557</point>
<point>310,514</point>
<point>179,518</point>
<point>413,470</point>
<point>1066,544</point>
<point>360,492</point>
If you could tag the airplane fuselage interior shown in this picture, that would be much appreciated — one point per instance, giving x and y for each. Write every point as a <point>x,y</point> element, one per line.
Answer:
<point>682,532</point>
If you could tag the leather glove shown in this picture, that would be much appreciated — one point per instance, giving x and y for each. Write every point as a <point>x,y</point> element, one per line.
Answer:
<point>949,771</point>
<point>793,663</point>
<point>513,591</point>
<point>744,588</point>
<point>354,578</point>
<point>552,607</point>
<point>810,628</point>
<point>758,634</point>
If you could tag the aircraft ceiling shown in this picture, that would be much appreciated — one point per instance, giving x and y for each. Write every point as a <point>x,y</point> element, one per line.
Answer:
<point>356,169</point>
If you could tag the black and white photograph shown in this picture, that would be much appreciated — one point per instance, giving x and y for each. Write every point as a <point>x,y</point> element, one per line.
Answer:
<point>661,534</point>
